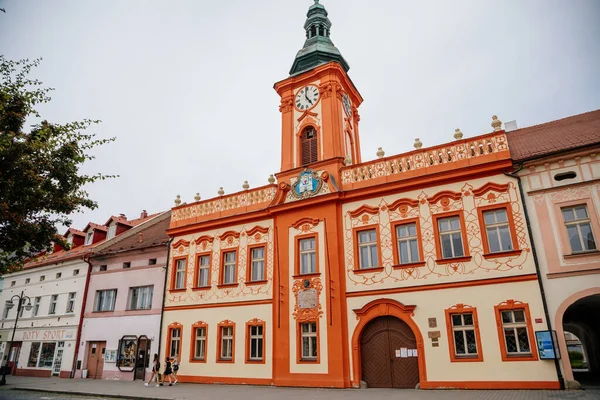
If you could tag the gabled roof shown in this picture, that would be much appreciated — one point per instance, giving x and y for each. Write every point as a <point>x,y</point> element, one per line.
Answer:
<point>95,226</point>
<point>552,137</point>
<point>119,219</point>
<point>74,231</point>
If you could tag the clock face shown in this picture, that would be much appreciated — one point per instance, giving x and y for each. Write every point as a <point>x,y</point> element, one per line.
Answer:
<point>347,104</point>
<point>307,97</point>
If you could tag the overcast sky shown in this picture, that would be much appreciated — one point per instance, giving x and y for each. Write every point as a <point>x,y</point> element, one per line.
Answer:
<point>187,86</point>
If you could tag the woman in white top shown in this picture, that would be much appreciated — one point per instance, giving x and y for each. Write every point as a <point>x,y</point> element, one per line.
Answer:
<point>175,367</point>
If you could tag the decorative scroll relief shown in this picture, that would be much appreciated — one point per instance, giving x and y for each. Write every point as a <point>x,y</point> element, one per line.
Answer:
<point>232,202</point>
<point>426,158</point>
<point>307,293</point>
<point>424,208</point>
<point>308,184</point>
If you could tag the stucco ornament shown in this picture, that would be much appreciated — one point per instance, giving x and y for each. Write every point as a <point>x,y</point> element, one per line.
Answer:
<point>418,144</point>
<point>458,134</point>
<point>177,200</point>
<point>271,179</point>
<point>496,123</point>
<point>308,184</point>
<point>380,153</point>
<point>197,197</point>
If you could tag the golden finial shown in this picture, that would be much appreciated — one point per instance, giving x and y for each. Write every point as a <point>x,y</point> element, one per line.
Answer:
<point>458,134</point>
<point>245,186</point>
<point>380,153</point>
<point>177,200</point>
<point>496,123</point>
<point>418,144</point>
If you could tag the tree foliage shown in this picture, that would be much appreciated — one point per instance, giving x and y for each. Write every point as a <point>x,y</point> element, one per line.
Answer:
<point>40,179</point>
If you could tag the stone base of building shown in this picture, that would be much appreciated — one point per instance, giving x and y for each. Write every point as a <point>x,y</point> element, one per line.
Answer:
<point>38,373</point>
<point>490,385</point>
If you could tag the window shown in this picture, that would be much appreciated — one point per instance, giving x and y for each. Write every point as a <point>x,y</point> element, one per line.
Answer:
<point>140,298</point>
<point>126,265</point>
<point>152,261</point>
<point>308,255</point>
<point>579,228</point>
<point>497,231</point>
<point>47,355</point>
<point>308,332</point>
<point>515,331</point>
<point>27,280</point>
<point>408,243</point>
<point>179,278</point>
<point>105,300</point>
<point>308,146</point>
<point>58,275</point>
<point>42,278</point>
<point>6,310</point>
<point>229,267</point>
<point>112,231</point>
<point>75,272</point>
<point>257,260</point>
<point>450,237</point>
<point>53,301</point>
<point>174,342</point>
<point>203,277</point>
<point>34,354</point>
<point>102,268</point>
<point>256,341</point>
<point>126,353</point>
<point>367,249</point>
<point>89,236</point>
<point>70,239</point>
<point>463,333</point>
<point>13,283</point>
<point>71,302</point>
<point>199,332</point>
<point>226,341</point>
<point>36,306</point>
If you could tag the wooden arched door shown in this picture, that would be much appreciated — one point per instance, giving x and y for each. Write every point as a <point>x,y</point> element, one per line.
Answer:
<point>381,368</point>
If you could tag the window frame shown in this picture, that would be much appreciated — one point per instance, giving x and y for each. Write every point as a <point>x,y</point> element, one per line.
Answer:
<point>36,306</point>
<point>197,271</point>
<point>236,281</point>
<point>512,305</point>
<point>511,227</point>
<point>301,133</point>
<point>438,243</point>
<point>130,298</point>
<point>297,262</point>
<point>355,232</point>
<point>249,278</point>
<point>592,221</point>
<point>220,326</point>
<point>71,300</point>
<point>53,302</point>
<point>114,302</point>
<point>174,274</point>
<point>460,309</point>
<point>249,325</point>
<point>396,250</point>
<point>89,238</point>
<point>299,358</point>
<point>172,326</point>
<point>198,325</point>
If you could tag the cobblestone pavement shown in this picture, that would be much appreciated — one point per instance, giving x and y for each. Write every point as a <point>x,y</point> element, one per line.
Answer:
<point>119,389</point>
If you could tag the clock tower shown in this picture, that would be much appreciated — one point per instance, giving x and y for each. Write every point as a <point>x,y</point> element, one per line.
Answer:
<point>319,104</point>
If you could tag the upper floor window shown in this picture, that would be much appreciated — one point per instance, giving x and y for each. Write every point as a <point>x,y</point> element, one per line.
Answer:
<point>450,237</point>
<point>36,306</point>
<point>58,275</point>
<point>6,310</point>
<point>308,255</point>
<point>42,278</point>
<point>13,283</point>
<point>53,301</point>
<point>105,300</point>
<point>203,271</point>
<point>179,279</point>
<point>89,236</point>
<point>140,298</point>
<point>27,280</point>
<point>112,231</point>
<point>71,302</point>
<point>257,271</point>
<point>229,267</point>
<point>152,261</point>
<point>75,272</point>
<point>497,230</point>
<point>308,145</point>
<point>408,245</point>
<point>579,228</point>
<point>102,268</point>
<point>367,249</point>
<point>127,265</point>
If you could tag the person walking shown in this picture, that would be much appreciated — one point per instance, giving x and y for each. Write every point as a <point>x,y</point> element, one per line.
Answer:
<point>168,372</point>
<point>155,369</point>
<point>175,367</point>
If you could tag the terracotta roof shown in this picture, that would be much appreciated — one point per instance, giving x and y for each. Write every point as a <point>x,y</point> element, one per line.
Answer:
<point>138,221</point>
<point>555,136</point>
<point>151,234</point>
<point>119,219</point>
<point>95,226</point>
<point>74,232</point>
<point>59,256</point>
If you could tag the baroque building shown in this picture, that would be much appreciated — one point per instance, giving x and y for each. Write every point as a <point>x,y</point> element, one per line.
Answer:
<point>411,270</point>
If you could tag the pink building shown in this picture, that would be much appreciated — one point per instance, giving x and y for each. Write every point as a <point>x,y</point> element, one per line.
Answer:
<point>121,324</point>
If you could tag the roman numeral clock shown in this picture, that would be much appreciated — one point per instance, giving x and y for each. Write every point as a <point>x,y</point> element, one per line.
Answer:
<point>307,97</point>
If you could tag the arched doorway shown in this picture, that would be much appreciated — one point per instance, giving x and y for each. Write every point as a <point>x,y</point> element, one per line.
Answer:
<point>381,367</point>
<point>581,320</point>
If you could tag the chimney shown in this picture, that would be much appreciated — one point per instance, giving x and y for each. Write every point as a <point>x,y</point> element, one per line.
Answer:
<point>122,216</point>
<point>144,214</point>
<point>510,126</point>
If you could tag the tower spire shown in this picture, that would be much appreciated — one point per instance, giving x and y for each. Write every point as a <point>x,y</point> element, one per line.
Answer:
<point>318,48</point>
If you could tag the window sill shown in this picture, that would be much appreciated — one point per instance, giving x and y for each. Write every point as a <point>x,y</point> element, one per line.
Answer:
<point>510,253</point>
<point>519,357</point>
<point>581,254</point>
<point>177,290</point>
<point>453,260</point>
<point>106,311</point>
<point>308,361</point>
<point>197,288</point>
<point>476,358</point>
<point>227,285</point>
<point>256,283</point>
<point>225,361</point>
<point>311,275</point>
<point>255,361</point>
<point>198,360</point>
<point>410,265</point>
<point>368,270</point>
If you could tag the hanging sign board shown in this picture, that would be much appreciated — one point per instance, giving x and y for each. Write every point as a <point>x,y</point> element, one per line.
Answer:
<point>547,345</point>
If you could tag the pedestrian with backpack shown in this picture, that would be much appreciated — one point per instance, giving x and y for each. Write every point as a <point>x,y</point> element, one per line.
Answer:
<point>155,369</point>
<point>168,372</point>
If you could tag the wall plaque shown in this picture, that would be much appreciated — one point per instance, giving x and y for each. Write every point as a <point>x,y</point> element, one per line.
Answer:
<point>433,334</point>
<point>307,298</point>
<point>432,322</point>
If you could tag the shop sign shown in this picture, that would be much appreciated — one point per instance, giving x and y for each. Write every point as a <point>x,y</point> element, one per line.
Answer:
<point>45,335</point>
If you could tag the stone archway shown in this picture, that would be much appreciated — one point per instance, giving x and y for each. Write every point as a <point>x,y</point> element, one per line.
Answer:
<point>381,308</point>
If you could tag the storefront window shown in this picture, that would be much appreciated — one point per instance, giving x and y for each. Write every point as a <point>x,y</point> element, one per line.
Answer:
<point>47,355</point>
<point>33,354</point>
<point>127,353</point>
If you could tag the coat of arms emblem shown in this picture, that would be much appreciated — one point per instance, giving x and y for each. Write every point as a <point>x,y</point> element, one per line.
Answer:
<point>308,184</point>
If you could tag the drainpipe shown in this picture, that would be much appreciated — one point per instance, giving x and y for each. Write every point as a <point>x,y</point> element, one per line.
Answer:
<point>162,311</point>
<point>86,258</point>
<point>513,174</point>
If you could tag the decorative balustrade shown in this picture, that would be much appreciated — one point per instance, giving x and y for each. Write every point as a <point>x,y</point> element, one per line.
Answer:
<point>467,149</point>
<point>241,200</point>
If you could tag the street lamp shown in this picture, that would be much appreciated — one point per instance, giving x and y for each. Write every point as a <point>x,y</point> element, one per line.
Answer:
<point>20,305</point>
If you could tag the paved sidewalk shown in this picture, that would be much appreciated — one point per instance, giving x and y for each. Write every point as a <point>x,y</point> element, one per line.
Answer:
<point>188,391</point>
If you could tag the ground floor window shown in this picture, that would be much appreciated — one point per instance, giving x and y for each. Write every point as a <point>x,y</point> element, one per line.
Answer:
<point>308,332</point>
<point>42,354</point>
<point>127,351</point>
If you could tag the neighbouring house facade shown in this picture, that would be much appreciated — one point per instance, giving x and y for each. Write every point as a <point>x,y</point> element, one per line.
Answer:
<point>45,341</point>
<point>413,269</point>
<point>560,171</point>
<point>121,324</point>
